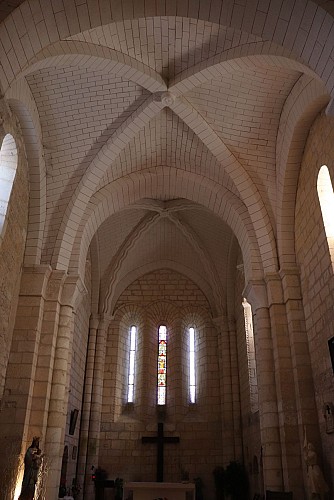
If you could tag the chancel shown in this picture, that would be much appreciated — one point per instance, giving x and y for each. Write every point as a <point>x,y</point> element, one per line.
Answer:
<point>167,248</point>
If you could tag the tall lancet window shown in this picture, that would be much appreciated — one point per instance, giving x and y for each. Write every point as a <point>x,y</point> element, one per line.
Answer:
<point>192,375</point>
<point>252,376</point>
<point>162,365</point>
<point>326,199</point>
<point>132,354</point>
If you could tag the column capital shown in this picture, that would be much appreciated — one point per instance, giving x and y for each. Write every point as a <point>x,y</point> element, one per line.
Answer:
<point>34,280</point>
<point>94,321</point>
<point>104,321</point>
<point>73,289</point>
<point>220,322</point>
<point>55,285</point>
<point>291,283</point>
<point>274,288</point>
<point>256,294</point>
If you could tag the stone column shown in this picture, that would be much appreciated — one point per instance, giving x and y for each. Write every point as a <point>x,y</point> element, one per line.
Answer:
<point>87,399</point>
<point>96,403</point>
<point>256,294</point>
<point>55,433</point>
<point>21,370</point>
<point>46,355</point>
<point>301,362</point>
<point>287,410</point>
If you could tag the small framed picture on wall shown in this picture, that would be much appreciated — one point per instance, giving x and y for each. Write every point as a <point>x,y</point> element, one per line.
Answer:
<point>331,350</point>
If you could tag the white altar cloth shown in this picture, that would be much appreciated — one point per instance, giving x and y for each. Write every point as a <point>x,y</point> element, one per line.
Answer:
<point>152,491</point>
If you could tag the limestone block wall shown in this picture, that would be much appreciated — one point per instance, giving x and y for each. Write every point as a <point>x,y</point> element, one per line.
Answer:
<point>162,297</point>
<point>11,257</point>
<point>316,269</point>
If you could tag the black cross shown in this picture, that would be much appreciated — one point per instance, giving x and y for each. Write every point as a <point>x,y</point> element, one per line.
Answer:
<point>160,439</point>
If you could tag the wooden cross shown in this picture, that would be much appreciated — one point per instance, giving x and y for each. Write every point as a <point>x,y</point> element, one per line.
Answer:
<point>160,439</point>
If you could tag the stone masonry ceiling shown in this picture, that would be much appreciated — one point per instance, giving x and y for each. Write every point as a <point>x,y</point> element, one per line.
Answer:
<point>167,109</point>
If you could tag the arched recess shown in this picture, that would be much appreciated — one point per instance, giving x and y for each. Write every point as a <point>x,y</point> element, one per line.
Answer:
<point>173,185</point>
<point>302,106</point>
<point>113,274</point>
<point>8,166</point>
<point>67,21</point>
<point>111,300</point>
<point>22,102</point>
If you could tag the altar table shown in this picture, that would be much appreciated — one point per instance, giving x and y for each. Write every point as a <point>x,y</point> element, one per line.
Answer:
<point>152,491</point>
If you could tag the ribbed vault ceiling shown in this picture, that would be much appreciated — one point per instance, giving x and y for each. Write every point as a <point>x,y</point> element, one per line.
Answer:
<point>83,109</point>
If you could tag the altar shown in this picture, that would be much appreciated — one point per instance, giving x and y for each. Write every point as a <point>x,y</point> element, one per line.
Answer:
<point>153,491</point>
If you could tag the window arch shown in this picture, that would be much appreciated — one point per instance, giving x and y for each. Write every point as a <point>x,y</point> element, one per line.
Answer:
<point>326,200</point>
<point>252,375</point>
<point>8,166</point>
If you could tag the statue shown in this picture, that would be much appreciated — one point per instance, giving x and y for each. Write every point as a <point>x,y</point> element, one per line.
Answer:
<point>316,482</point>
<point>32,463</point>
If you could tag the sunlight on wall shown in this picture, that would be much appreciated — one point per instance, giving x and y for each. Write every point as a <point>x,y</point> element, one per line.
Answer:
<point>326,199</point>
<point>252,375</point>
<point>18,485</point>
<point>8,165</point>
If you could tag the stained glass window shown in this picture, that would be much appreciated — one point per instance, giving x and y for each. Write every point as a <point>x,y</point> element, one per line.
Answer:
<point>131,376</point>
<point>162,365</point>
<point>192,380</point>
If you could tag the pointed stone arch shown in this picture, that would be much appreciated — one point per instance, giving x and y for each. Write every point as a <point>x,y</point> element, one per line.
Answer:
<point>32,136</point>
<point>302,106</point>
<point>175,184</point>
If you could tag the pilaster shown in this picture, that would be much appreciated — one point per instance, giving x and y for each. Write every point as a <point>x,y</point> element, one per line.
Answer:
<point>96,401</point>
<point>229,389</point>
<point>301,361</point>
<point>287,411</point>
<point>72,291</point>
<point>87,400</point>
<point>22,363</point>
<point>21,370</point>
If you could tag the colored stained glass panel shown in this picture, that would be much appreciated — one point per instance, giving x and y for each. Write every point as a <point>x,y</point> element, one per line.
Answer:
<point>162,365</point>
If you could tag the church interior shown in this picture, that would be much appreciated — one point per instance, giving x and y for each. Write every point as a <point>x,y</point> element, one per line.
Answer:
<point>167,245</point>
